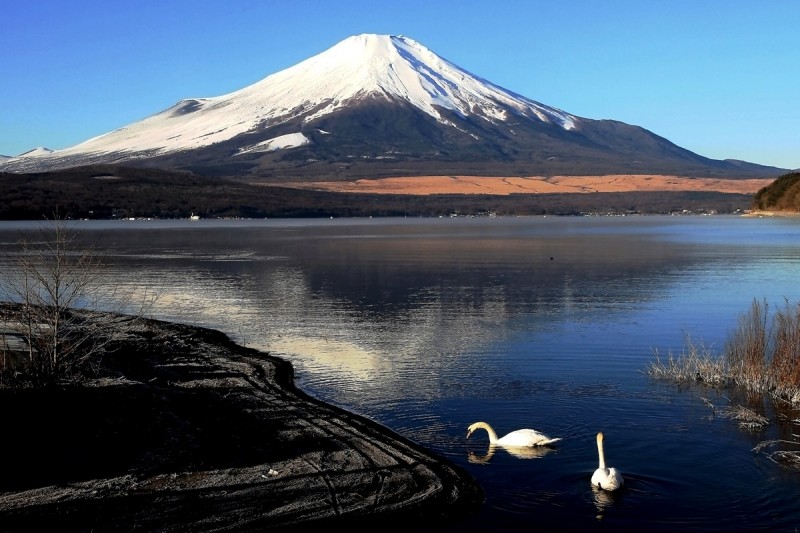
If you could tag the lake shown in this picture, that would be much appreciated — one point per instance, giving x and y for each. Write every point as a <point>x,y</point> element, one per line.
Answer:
<point>427,325</point>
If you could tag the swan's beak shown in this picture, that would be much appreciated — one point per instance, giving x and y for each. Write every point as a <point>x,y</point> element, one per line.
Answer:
<point>469,432</point>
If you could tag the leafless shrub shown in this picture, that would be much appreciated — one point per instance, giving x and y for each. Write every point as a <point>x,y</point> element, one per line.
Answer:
<point>54,281</point>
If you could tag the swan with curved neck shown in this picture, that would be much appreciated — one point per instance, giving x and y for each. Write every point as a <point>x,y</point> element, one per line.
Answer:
<point>520,437</point>
<point>605,478</point>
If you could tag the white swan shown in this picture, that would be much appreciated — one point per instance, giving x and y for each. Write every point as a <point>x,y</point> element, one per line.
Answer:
<point>520,437</point>
<point>605,478</point>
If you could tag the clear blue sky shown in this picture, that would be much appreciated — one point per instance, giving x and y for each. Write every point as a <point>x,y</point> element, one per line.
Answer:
<point>718,77</point>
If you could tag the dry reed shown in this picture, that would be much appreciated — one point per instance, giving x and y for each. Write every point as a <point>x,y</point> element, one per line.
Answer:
<point>761,355</point>
<point>764,355</point>
<point>695,363</point>
<point>785,457</point>
<point>747,418</point>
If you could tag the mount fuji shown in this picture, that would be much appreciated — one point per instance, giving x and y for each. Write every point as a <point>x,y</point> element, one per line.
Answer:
<point>379,105</point>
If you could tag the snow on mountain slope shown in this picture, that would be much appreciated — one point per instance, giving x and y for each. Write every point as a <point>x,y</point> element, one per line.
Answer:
<point>361,66</point>
<point>281,142</point>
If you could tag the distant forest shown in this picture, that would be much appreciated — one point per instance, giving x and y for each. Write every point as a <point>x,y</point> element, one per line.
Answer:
<point>107,192</point>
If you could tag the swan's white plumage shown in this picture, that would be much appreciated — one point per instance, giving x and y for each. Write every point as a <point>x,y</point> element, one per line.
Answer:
<point>605,478</point>
<point>520,437</point>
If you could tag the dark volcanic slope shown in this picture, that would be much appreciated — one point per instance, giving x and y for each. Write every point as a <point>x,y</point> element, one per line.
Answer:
<point>377,138</point>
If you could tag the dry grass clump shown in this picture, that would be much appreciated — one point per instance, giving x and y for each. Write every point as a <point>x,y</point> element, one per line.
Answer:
<point>784,457</point>
<point>747,418</point>
<point>761,355</point>
<point>695,363</point>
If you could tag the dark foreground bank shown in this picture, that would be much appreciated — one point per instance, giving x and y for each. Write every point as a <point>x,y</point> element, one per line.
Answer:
<point>183,430</point>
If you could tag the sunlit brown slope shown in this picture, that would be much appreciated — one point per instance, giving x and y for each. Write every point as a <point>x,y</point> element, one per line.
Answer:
<point>426,185</point>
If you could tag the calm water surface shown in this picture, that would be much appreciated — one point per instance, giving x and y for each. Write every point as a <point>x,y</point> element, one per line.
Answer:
<point>427,325</point>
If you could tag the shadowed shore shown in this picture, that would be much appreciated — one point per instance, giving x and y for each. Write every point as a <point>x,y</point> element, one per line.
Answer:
<point>184,430</point>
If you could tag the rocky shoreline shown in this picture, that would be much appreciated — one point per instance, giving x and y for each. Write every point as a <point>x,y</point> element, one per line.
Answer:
<point>184,430</point>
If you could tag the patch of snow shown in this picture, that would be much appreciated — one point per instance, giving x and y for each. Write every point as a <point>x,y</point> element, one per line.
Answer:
<point>283,142</point>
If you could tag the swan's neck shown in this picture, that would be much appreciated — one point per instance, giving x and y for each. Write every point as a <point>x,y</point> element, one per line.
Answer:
<point>601,454</point>
<point>490,431</point>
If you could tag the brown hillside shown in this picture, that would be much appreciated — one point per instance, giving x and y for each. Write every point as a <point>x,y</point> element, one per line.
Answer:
<point>426,185</point>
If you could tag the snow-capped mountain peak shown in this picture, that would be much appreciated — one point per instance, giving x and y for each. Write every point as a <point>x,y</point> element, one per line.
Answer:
<point>395,66</point>
<point>377,105</point>
<point>366,65</point>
